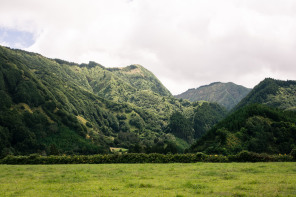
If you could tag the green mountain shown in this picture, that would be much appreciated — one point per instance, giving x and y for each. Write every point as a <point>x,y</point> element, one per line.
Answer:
<point>274,93</point>
<point>118,84</point>
<point>132,84</point>
<point>52,106</point>
<point>192,126</point>
<point>263,121</point>
<point>225,94</point>
<point>257,128</point>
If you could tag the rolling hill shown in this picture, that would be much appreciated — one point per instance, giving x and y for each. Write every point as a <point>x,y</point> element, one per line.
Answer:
<point>225,94</point>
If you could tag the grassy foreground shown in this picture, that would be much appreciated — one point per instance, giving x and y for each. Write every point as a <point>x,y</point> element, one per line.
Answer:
<point>212,179</point>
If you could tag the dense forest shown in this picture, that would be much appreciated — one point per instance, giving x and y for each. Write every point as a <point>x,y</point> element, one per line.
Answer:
<point>256,128</point>
<point>274,93</point>
<point>263,122</point>
<point>51,106</point>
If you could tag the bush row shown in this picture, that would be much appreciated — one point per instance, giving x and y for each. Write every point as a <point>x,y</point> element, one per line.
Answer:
<point>244,156</point>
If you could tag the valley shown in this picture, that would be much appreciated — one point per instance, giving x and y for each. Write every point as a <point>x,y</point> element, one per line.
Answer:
<point>52,107</point>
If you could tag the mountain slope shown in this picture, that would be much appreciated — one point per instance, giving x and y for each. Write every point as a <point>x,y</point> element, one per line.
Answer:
<point>263,121</point>
<point>65,108</point>
<point>141,79</point>
<point>274,93</point>
<point>132,84</point>
<point>226,94</point>
<point>256,128</point>
<point>36,118</point>
<point>54,106</point>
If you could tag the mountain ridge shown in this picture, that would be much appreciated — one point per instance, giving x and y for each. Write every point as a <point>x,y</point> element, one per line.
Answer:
<point>272,92</point>
<point>51,106</point>
<point>264,121</point>
<point>227,94</point>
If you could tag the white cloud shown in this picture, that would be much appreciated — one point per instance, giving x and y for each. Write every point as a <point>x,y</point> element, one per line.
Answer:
<point>185,43</point>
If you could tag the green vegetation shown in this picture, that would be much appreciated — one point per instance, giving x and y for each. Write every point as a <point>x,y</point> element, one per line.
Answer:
<point>226,94</point>
<point>261,128</point>
<point>256,128</point>
<point>123,157</point>
<point>274,93</point>
<point>198,179</point>
<point>54,106</point>
<point>206,116</point>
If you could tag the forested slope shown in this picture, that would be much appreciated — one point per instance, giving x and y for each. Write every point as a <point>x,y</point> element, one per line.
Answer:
<point>274,93</point>
<point>262,122</point>
<point>51,106</point>
<point>256,128</point>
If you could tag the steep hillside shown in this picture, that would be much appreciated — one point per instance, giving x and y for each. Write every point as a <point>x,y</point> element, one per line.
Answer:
<point>226,94</point>
<point>113,83</point>
<point>68,116</point>
<point>141,79</point>
<point>274,93</point>
<point>51,106</point>
<point>132,84</point>
<point>192,126</point>
<point>256,128</point>
<point>262,122</point>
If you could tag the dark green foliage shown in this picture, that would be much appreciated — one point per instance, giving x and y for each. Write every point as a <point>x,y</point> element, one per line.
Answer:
<point>143,158</point>
<point>53,150</point>
<point>27,92</point>
<point>137,148</point>
<point>113,122</point>
<point>274,93</point>
<point>67,141</point>
<point>5,138</point>
<point>121,117</point>
<point>206,116</point>
<point>2,83</point>
<point>255,128</point>
<point>293,153</point>
<point>5,101</point>
<point>89,124</point>
<point>126,139</point>
<point>181,127</point>
<point>164,147</point>
<point>137,121</point>
<point>11,76</point>
<point>246,156</point>
<point>226,94</point>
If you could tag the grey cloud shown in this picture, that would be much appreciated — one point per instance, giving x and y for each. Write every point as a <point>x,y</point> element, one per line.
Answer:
<point>185,43</point>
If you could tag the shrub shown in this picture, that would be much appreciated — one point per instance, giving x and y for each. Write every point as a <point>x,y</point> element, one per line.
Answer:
<point>246,156</point>
<point>243,156</point>
<point>200,156</point>
<point>216,158</point>
<point>293,154</point>
<point>88,124</point>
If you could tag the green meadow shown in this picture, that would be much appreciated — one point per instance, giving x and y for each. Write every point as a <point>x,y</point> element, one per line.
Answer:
<point>195,179</point>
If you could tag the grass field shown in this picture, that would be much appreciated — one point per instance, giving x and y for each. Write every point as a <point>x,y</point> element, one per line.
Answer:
<point>198,179</point>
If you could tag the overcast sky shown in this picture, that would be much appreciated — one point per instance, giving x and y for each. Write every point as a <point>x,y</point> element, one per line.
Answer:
<point>185,43</point>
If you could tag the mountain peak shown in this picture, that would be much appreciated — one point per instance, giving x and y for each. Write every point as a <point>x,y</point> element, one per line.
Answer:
<point>140,78</point>
<point>134,69</point>
<point>272,92</point>
<point>227,94</point>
